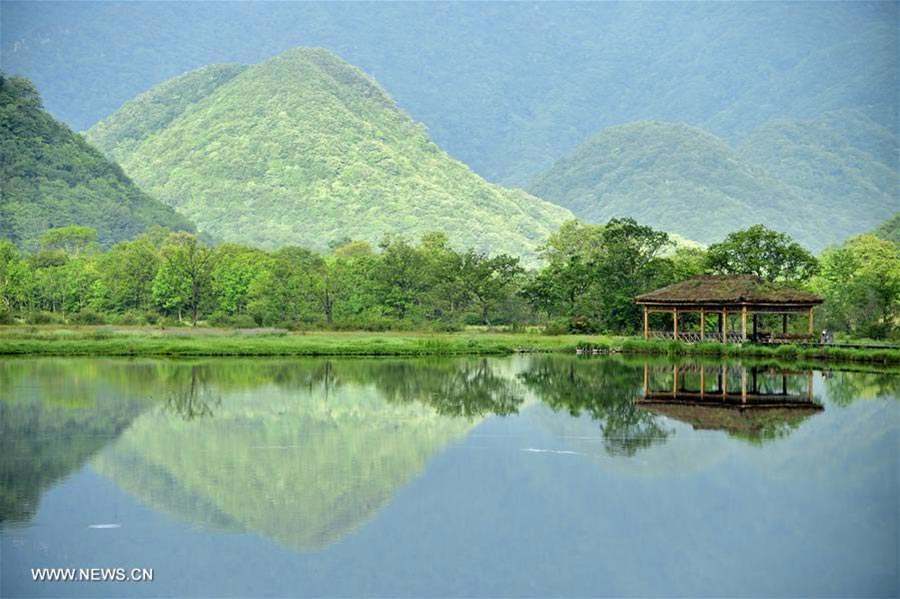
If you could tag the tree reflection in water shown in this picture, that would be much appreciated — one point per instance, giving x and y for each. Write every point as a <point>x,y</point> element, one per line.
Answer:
<point>193,398</point>
<point>605,389</point>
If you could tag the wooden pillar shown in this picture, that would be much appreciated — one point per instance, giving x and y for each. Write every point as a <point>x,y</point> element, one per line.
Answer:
<point>674,381</point>
<point>810,323</point>
<point>646,323</point>
<point>702,323</point>
<point>675,322</point>
<point>724,381</point>
<point>743,323</point>
<point>784,323</point>
<point>809,383</point>
<point>724,325</point>
<point>743,384</point>
<point>646,378</point>
<point>702,380</point>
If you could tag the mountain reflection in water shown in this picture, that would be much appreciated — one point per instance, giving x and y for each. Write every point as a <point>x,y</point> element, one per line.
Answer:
<point>304,452</point>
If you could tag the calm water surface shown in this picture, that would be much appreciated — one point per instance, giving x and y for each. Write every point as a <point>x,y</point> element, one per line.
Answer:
<point>520,476</point>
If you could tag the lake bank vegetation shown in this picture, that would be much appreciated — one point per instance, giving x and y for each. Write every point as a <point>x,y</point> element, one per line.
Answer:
<point>585,285</point>
<point>108,340</point>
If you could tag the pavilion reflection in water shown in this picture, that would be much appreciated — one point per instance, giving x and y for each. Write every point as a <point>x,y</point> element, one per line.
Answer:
<point>748,400</point>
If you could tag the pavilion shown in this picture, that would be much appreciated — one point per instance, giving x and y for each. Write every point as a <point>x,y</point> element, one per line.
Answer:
<point>721,296</point>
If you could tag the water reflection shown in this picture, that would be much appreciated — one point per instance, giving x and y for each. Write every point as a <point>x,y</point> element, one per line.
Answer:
<point>754,403</point>
<point>606,390</point>
<point>309,455</point>
<point>304,452</point>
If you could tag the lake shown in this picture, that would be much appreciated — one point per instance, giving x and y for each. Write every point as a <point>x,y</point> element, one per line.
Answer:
<point>529,475</point>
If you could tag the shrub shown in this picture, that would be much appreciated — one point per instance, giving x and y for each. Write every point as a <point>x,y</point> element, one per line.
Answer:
<point>87,317</point>
<point>44,317</point>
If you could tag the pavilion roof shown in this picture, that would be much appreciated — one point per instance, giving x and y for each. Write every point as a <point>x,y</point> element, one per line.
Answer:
<point>728,289</point>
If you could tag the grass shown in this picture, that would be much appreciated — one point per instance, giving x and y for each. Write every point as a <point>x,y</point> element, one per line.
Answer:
<point>144,341</point>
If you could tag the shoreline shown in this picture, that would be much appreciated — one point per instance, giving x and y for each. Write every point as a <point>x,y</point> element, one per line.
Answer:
<point>106,341</point>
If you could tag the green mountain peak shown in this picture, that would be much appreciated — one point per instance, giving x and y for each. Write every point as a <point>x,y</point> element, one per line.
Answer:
<point>51,177</point>
<point>304,148</point>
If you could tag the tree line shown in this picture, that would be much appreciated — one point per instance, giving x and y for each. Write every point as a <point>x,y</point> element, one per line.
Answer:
<point>585,283</point>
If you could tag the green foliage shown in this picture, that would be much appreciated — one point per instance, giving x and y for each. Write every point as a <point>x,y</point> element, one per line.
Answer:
<point>594,272</point>
<point>861,285</point>
<point>304,148</point>
<point>890,229</point>
<point>820,181</point>
<point>760,251</point>
<point>53,179</point>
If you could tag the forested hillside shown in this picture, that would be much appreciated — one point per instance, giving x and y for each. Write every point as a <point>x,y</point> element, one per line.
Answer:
<point>305,149</point>
<point>821,180</point>
<point>51,177</point>
<point>508,88</point>
<point>670,176</point>
<point>890,229</point>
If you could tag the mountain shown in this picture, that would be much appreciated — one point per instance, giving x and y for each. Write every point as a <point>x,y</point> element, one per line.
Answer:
<point>304,149</point>
<point>51,177</point>
<point>843,164</point>
<point>819,180</point>
<point>671,176</point>
<point>508,88</point>
<point>890,229</point>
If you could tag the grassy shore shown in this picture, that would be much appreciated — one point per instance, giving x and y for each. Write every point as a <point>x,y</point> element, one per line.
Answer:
<point>135,341</point>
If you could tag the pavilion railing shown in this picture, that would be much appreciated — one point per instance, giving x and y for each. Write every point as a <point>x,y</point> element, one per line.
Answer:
<point>694,337</point>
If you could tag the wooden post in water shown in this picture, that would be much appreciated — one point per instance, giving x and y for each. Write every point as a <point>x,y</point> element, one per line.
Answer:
<point>809,383</point>
<point>646,379</point>
<point>743,384</point>
<point>674,381</point>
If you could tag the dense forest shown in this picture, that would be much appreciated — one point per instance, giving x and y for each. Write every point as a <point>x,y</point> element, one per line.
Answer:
<point>820,180</point>
<point>586,283</point>
<point>889,229</point>
<point>51,177</point>
<point>306,149</point>
<point>508,88</point>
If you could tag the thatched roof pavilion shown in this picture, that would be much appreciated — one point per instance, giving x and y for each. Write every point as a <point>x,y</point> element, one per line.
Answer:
<point>722,295</point>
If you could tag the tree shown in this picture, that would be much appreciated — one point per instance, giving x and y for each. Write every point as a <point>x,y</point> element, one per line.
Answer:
<point>399,277</point>
<point>861,285</point>
<point>489,280</point>
<point>235,268</point>
<point>594,272</point>
<point>629,263</point>
<point>72,240</point>
<point>127,272</point>
<point>183,278</point>
<point>760,251</point>
<point>16,278</point>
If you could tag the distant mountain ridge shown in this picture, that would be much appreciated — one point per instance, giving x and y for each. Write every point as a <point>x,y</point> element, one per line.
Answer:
<point>50,177</point>
<point>820,180</point>
<point>509,88</point>
<point>305,149</point>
